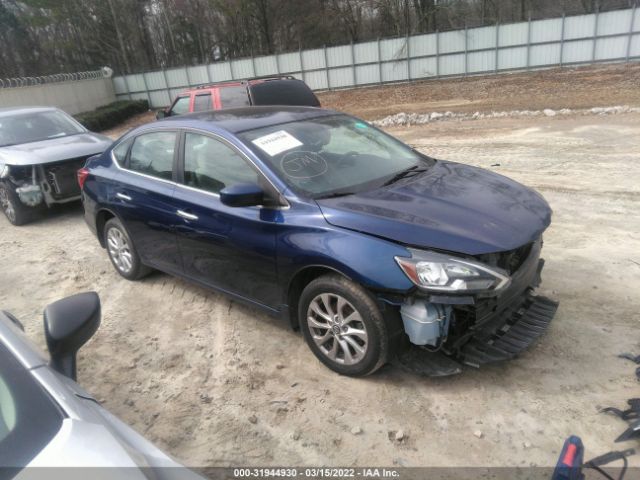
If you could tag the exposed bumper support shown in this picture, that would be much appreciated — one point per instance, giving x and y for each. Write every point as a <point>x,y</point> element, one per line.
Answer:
<point>523,326</point>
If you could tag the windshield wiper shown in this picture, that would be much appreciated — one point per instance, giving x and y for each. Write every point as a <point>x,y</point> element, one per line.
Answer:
<point>411,171</point>
<point>335,195</point>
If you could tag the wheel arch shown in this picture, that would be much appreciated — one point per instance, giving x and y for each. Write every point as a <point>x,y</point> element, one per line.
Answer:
<point>299,281</point>
<point>102,217</point>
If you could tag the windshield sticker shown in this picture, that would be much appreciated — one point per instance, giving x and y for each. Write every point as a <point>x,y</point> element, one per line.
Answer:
<point>303,165</point>
<point>361,125</point>
<point>277,142</point>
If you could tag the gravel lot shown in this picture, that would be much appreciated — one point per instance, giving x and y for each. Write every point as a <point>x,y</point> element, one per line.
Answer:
<point>216,383</point>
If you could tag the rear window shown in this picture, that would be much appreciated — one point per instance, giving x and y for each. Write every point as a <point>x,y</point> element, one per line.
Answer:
<point>152,154</point>
<point>234,97</point>
<point>283,92</point>
<point>28,417</point>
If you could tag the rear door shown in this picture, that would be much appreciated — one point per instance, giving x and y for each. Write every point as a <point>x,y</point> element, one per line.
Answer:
<point>143,198</point>
<point>202,102</point>
<point>232,249</point>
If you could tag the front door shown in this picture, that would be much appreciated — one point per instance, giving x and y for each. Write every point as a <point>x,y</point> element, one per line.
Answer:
<point>229,248</point>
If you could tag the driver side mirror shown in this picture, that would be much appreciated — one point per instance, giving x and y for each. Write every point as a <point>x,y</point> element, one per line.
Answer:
<point>68,324</point>
<point>160,114</point>
<point>242,195</point>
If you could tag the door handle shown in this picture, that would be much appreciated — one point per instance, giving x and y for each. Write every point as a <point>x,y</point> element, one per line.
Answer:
<point>122,196</point>
<point>188,216</point>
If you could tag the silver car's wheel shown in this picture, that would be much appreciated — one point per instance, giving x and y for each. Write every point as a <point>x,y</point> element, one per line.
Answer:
<point>7,205</point>
<point>337,329</point>
<point>119,250</point>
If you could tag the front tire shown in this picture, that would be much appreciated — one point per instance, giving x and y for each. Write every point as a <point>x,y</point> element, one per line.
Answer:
<point>16,212</point>
<point>343,326</point>
<point>121,251</point>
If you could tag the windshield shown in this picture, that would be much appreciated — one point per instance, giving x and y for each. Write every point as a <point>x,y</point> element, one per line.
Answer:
<point>334,155</point>
<point>36,126</point>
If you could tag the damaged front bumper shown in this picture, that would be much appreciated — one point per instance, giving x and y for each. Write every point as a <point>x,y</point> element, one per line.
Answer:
<point>476,330</point>
<point>51,183</point>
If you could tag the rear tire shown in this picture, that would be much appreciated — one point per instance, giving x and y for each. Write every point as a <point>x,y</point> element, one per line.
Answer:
<point>16,212</point>
<point>121,251</point>
<point>343,326</point>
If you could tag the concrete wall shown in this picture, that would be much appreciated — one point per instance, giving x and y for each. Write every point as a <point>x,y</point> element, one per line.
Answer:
<point>577,40</point>
<point>72,97</point>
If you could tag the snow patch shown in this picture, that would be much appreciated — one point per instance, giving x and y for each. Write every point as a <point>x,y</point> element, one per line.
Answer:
<point>407,119</point>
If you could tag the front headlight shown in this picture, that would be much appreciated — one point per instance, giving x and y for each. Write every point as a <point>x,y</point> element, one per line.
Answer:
<point>444,273</point>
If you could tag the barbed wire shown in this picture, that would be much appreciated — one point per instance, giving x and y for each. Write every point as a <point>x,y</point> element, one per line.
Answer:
<point>57,78</point>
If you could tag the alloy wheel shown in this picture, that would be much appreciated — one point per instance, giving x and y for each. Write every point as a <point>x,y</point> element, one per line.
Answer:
<point>337,329</point>
<point>119,250</point>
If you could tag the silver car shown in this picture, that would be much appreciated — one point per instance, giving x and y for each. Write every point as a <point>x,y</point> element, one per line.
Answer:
<point>48,420</point>
<point>41,150</point>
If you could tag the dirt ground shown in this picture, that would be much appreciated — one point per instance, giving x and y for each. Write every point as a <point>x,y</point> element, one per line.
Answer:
<point>216,383</point>
<point>574,88</point>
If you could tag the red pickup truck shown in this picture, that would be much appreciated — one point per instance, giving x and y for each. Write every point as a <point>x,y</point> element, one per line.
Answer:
<point>284,90</point>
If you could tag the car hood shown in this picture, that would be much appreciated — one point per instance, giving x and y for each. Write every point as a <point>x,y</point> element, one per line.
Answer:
<point>452,207</point>
<point>55,149</point>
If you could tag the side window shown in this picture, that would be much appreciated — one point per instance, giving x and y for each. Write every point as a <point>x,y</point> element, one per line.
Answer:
<point>120,152</point>
<point>211,165</point>
<point>152,154</point>
<point>181,106</point>
<point>202,102</point>
<point>234,97</point>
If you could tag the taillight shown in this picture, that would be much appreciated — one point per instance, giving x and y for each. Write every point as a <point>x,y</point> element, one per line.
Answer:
<point>83,173</point>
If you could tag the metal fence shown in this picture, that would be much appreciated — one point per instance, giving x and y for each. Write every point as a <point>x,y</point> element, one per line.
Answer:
<point>572,40</point>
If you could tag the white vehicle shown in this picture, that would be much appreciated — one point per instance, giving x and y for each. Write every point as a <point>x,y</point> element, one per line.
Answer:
<point>41,151</point>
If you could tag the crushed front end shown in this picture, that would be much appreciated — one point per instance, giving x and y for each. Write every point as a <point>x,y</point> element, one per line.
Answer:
<point>476,310</point>
<point>48,183</point>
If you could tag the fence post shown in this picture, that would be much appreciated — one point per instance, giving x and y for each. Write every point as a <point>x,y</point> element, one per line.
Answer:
<point>437,54</point>
<point>529,43</point>
<point>146,88</point>
<point>326,68</point>
<point>231,69</point>
<point>277,63</point>
<point>166,84</point>
<point>253,64</point>
<point>466,49</point>
<point>408,58</point>
<point>633,17</point>
<point>354,77</point>
<point>497,45</point>
<point>595,33</point>
<point>126,86</point>
<point>379,62</point>
<point>186,72</point>
<point>301,62</point>
<point>562,41</point>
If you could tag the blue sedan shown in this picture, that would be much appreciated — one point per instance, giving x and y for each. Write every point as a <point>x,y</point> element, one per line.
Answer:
<point>375,251</point>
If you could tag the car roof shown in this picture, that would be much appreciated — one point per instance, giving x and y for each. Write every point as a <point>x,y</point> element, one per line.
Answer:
<point>10,111</point>
<point>235,120</point>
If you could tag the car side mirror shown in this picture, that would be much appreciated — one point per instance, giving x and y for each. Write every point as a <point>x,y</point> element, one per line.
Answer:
<point>242,195</point>
<point>160,114</point>
<point>68,324</point>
